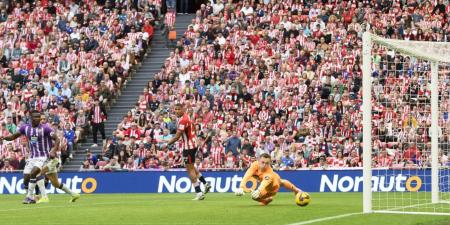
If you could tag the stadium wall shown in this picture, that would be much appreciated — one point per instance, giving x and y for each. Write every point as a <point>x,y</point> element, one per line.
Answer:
<point>177,181</point>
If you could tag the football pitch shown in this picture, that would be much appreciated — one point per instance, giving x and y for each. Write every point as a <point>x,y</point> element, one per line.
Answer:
<point>127,209</point>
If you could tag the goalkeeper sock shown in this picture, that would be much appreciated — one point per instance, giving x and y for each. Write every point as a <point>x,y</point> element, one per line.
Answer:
<point>41,184</point>
<point>65,189</point>
<point>31,187</point>
<point>197,187</point>
<point>202,179</point>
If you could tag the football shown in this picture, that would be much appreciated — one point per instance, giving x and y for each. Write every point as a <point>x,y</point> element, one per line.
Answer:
<point>302,199</point>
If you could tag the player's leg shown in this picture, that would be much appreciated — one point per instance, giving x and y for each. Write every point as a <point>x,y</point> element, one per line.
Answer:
<point>26,177</point>
<point>193,177</point>
<point>32,185</point>
<point>40,182</point>
<point>189,158</point>
<point>267,198</point>
<point>202,179</point>
<point>53,177</point>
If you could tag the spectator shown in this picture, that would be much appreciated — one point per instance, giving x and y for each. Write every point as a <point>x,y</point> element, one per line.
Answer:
<point>71,138</point>
<point>112,165</point>
<point>7,167</point>
<point>97,117</point>
<point>87,166</point>
<point>233,144</point>
<point>10,126</point>
<point>287,162</point>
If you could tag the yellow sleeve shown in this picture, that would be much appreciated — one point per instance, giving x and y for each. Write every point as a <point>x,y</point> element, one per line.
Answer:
<point>266,182</point>
<point>248,175</point>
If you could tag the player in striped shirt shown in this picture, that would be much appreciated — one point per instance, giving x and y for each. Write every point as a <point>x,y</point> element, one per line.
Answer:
<point>186,131</point>
<point>43,144</point>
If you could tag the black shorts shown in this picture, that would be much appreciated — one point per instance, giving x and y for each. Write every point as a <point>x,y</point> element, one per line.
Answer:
<point>189,155</point>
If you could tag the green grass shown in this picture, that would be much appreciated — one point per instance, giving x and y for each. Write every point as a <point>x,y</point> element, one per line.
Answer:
<point>134,209</point>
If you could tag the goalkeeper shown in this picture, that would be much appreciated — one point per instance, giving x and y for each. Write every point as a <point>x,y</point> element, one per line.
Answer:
<point>262,171</point>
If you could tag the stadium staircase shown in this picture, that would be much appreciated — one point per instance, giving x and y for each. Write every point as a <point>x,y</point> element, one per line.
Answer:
<point>135,87</point>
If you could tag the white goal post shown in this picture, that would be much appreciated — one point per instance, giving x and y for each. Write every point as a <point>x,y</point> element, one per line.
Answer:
<point>433,196</point>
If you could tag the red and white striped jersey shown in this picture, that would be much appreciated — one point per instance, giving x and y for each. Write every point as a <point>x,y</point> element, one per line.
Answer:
<point>338,163</point>
<point>217,154</point>
<point>186,126</point>
<point>384,161</point>
<point>170,19</point>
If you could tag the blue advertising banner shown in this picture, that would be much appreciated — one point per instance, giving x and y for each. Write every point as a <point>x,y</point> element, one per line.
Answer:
<point>171,182</point>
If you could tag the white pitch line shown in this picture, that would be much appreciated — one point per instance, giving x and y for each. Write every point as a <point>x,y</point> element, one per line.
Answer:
<point>326,218</point>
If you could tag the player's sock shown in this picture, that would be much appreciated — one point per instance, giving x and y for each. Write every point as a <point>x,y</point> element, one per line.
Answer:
<point>65,189</point>
<point>288,185</point>
<point>25,187</point>
<point>36,189</point>
<point>41,184</point>
<point>31,187</point>
<point>197,187</point>
<point>47,183</point>
<point>26,181</point>
<point>202,179</point>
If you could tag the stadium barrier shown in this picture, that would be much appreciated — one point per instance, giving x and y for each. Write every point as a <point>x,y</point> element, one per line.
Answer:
<point>178,182</point>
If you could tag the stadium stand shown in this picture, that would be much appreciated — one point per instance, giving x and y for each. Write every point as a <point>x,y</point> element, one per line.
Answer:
<point>281,77</point>
<point>61,56</point>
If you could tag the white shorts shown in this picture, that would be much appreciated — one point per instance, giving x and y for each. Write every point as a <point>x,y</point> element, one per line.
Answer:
<point>52,165</point>
<point>34,162</point>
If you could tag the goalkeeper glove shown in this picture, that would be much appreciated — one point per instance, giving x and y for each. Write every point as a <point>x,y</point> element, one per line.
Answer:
<point>255,194</point>
<point>239,192</point>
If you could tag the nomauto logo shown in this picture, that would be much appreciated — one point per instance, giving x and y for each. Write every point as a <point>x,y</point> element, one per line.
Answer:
<point>14,185</point>
<point>398,183</point>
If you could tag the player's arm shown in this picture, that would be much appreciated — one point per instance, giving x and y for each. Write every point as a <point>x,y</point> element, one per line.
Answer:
<point>248,175</point>
<point>11,137</point>
<point>177,136</point>
<point>267,181</point>
<point>180,130</point>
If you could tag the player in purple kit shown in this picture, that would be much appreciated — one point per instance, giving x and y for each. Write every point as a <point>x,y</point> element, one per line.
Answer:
<point>43,144</point>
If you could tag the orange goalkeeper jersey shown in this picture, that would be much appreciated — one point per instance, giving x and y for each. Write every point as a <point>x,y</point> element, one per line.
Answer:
<point>270,181</point>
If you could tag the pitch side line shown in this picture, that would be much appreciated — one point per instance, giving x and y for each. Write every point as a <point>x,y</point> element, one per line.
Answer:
<point>326,218</point>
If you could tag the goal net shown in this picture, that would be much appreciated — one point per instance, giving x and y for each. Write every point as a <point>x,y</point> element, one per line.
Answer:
<point>406,126</point>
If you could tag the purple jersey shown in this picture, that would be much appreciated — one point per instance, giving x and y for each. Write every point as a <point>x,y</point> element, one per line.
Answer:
<point>39,139</point>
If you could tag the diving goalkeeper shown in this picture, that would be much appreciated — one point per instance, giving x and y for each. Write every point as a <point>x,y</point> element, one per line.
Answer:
<point>270,181</point>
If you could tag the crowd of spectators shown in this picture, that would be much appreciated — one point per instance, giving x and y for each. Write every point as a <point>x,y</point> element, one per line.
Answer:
<point>58,57</point>
<point>284,77</point>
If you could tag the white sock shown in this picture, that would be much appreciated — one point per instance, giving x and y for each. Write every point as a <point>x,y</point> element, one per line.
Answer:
<point>31,187</point>
<point>65,189</point>
<point>41,184</point>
